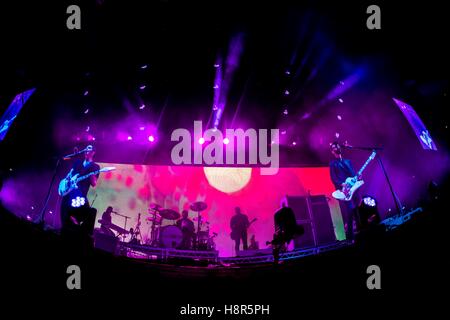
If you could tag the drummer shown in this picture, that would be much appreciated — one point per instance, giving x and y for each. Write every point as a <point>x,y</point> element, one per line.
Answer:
<point>187,228</point>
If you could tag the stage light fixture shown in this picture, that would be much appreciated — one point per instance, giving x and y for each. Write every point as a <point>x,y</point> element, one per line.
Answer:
<point>151,138</point>
<point>368,212</point>
<point>226,141</point>
<point>369,201</point>
<point>78,202</point>
<point>201,140</point>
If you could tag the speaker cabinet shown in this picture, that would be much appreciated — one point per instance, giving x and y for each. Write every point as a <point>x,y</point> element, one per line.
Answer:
<point>314,214</point>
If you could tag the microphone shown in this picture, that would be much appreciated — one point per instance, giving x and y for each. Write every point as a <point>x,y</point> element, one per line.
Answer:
<point>75,153</point>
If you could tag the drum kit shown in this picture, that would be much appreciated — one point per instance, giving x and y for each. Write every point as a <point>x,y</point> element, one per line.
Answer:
<point>171,236</point>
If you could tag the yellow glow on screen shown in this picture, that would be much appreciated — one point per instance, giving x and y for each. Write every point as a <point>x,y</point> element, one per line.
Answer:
<point>228,180</point>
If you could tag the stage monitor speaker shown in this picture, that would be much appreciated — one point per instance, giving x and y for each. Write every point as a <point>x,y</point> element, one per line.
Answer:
<point>322,220</point>
<point>312,212</point>
<point>299,206</point>
<point>306,240</point>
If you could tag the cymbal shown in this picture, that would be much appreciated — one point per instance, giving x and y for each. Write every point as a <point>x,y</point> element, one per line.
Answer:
<point>198,206</point>
<point>169,214</point>
<point>154,206</point>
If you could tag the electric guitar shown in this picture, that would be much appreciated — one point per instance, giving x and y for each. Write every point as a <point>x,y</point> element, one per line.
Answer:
<point>352,184</point>
<point>70,183</point>
<point>234,235</point>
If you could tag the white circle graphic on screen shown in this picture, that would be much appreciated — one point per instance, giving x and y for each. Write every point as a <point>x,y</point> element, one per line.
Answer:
<point>228,180</point>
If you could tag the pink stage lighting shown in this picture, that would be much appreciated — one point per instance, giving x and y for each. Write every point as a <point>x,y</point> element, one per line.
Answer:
<point>151,138</point>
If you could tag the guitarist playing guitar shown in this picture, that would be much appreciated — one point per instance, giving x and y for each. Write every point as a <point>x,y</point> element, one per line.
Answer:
<point>80,167</point>
<point>239,224</point>
<point>340,170</point>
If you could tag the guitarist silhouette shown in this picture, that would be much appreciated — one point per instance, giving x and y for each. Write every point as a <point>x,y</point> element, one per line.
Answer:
<point>239,224</point>
<point>81,167</point>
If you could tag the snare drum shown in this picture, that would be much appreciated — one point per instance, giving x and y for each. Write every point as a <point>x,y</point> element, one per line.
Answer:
<point>170,236</point>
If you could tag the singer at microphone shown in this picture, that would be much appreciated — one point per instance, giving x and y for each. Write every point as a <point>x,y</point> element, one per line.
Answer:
<point>82,167</point>
<point>340,169</point>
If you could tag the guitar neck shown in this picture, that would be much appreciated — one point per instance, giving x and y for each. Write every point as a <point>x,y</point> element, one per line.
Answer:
<point>87,175</point>
<point>366,163</point>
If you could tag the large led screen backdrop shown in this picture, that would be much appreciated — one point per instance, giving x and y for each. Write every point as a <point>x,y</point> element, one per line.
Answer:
<point>130,189</point>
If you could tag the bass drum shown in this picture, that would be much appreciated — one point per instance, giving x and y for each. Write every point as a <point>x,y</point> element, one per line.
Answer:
<point>171,236</point>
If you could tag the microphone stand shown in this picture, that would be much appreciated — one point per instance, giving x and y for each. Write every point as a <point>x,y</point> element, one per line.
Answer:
<point>126,219</point>
<point>397,202</point>
<point>40,218</point>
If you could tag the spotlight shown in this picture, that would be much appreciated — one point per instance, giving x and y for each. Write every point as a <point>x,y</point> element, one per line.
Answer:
<point>216,65</point>
<point>144,66</point>
<point>226,141</point>
<point>78,202</point>
<point>369,201</point>
<point>286,92</point>
<point>287,72</point>
<point>86,93</point>
<point>294,143</point>
<point>341,101</point>
<point>216,86</point>
<point>151,138</point>
<point>285,112</point>
<point>129,138</point>
<point>339,117</point>
<point>142,107</point>
<point>142,87</point>
<point>86,111</point>
<point>368,212</point>
<point>201,140</point>
<point>142,128</point>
